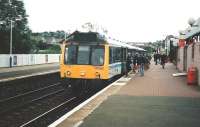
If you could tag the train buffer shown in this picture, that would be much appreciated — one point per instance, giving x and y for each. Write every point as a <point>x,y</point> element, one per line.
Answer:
<point>7,74</point>
<point>155,100</point>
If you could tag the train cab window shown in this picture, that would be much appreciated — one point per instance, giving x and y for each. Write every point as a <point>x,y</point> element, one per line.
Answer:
<point>70,54</point>
<point>97,57</point>
<point>83,55</point>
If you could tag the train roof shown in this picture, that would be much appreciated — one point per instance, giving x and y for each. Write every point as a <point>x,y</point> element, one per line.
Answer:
<point>123,44</point>
<point>85,37</point>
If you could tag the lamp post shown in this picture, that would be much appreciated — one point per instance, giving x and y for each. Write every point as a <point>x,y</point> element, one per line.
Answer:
<point>11,20</point>
<point>11,33</point>
<point>10,59</point>
<point>10,53</point>
<point>65,36</point>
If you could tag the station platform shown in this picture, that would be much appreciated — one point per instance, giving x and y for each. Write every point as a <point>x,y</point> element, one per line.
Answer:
<point>20,71</point>
<point>155,100</point>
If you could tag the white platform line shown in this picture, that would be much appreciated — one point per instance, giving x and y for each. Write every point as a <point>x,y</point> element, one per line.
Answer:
<point>120,84</point>
<point>61,119</point>
<point>78,124</point>
<point>26,76</point>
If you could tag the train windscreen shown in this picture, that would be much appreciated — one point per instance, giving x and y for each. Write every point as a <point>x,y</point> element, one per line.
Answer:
<point>84,55</point>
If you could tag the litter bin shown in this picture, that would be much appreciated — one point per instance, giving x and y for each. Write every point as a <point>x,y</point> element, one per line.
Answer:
<point>192,76</point>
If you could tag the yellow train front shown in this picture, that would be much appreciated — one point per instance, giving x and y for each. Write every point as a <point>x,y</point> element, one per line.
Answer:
<point>89,57</point>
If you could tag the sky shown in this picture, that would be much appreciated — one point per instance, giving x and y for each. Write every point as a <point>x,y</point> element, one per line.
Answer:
<point>125,20</point>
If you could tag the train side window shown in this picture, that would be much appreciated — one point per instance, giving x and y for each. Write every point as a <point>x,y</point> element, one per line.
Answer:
<point>97,57</point>
<point>111,59</point>
<point>83,55</point>
<point>117,55</point>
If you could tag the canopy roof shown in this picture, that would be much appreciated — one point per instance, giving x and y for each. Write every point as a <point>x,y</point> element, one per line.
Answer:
<point>191,31</point>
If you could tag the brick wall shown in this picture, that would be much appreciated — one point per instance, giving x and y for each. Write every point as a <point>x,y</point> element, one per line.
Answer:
<point>197,59</point>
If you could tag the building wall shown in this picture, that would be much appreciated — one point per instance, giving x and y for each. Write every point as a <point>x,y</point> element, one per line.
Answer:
<point>27,59</point>
<point>190,60</point>
<point>180,59</point>
<point>197,59</point>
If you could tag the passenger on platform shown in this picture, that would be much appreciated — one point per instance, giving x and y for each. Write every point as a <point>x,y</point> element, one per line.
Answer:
<point>155,58</point>
<point>140,63</point>
<point>135,57</point>
<point>163,60</point>
<point>128,64</point>
<point>159,58</point>
<point>147,62</point>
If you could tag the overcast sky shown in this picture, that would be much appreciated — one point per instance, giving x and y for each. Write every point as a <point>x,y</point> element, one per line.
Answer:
<point>126,20</point>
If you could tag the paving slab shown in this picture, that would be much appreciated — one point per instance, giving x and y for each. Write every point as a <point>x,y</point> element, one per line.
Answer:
<point>155,100</point>
<point>145,111</point>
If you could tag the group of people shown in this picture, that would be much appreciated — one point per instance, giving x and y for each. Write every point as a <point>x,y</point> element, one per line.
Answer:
<point>138,61</point>
<point>160,58</point>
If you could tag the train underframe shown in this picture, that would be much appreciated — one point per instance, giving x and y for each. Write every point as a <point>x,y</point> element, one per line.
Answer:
<point>79,86</point>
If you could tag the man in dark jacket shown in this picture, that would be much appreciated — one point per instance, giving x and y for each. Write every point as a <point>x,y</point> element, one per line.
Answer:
<point>140,63</point>
<point>163,60</point>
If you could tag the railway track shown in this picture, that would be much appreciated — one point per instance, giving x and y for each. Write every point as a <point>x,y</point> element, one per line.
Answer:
<point>19,86</point>
<point>8,104</point>
<point>20,114</point>
<point>40,107</point>
<point>44,110</point>
<point>55,113</point>
<point>39,120</point>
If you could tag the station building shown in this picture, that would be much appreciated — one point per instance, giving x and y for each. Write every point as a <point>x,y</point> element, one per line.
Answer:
<point>188,53</point>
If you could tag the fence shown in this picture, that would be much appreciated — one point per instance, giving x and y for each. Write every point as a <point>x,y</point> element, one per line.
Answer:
<point>27,59</point>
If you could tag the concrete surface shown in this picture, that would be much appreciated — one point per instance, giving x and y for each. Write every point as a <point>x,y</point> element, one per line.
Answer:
<point>6,73</point>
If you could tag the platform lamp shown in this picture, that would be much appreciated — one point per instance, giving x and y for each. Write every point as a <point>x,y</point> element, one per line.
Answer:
<point>11,31</point>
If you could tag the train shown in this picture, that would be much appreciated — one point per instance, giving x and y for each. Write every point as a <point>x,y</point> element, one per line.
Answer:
<point>89,58</point>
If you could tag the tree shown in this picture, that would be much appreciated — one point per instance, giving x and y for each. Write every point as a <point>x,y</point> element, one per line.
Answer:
<point>14,11</point>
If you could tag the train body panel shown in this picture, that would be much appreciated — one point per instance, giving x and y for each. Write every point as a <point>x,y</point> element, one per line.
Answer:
<point>86,71</point>
<point>115,69</point>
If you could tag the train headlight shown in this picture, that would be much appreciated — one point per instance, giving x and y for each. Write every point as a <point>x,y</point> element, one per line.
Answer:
<point>68,73</point>
<point>97,74</point>
<point>82,73</point>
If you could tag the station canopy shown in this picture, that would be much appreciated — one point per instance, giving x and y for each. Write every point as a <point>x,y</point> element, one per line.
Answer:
<point>191,31</point>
